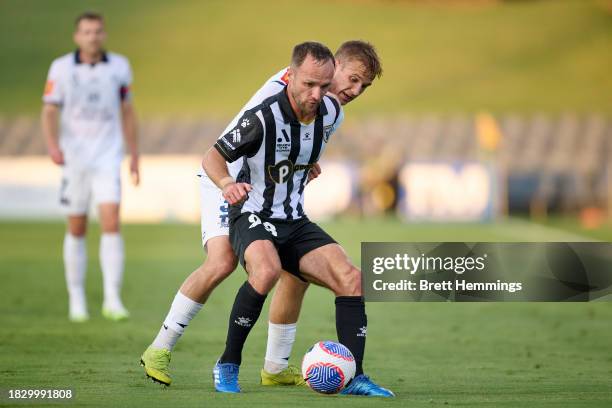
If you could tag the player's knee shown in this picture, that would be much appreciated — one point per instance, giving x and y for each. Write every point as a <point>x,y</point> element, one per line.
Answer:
<point>270,272</point>
<point>220,268</point>
<point>78,232</point>
<point>264,276</point>
<point>110,224</point>
<point>110,227</point>
<point>348,281</point>
<point>77,228</point>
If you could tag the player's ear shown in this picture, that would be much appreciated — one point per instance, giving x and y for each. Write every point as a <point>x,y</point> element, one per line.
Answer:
<point>290,74</point>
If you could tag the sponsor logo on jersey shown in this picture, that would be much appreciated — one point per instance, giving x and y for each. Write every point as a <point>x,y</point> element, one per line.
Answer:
<point>282,171</point>
<point>228,144</point>
<point>283,143</point>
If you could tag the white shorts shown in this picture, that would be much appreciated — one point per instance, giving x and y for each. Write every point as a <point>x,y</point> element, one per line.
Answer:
<point>214,212</point>
<point>81,187</point>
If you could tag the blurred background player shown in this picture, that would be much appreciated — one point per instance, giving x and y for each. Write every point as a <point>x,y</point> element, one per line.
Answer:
<point>86,114</point>
<point>357,65</point>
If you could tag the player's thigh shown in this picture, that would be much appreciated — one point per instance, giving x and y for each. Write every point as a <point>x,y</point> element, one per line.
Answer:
<point>254,241</point>
<point>77,225</point>
<point>109,217</point>
<point>261,257</point>
<point>330,266</point>
<point>75,192</point>
<point>214,216</point>
<point>106,192</point>
<point>304,237</point>
<point>220,256</point>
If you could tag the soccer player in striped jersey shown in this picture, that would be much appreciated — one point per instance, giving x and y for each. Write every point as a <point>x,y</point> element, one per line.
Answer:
<point>86,115</point>
<point>269,230</point>
<point>357,67</point>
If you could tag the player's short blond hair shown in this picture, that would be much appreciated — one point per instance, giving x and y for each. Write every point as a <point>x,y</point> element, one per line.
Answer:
<point>363,52</point>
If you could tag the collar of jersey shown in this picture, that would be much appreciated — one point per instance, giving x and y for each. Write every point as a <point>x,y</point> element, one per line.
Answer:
<point>287,111</point>
<point>77,57</point>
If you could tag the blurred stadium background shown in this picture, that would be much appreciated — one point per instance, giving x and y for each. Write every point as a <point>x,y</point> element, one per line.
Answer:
<point>492,122</point>
<point>504,105</point>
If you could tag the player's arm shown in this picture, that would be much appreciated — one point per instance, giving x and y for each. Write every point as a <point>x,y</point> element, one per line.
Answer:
<point>53,97</point>
<point>244,139</point>
<point>215,166</point>
<point>130,134</point>
<point>50,128</point>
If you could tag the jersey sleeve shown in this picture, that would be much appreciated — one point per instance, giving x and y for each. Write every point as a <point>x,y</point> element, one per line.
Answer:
<point>54,92</point>
<point>339,120</point>
<point>125,88</point>
<point>244,139</point>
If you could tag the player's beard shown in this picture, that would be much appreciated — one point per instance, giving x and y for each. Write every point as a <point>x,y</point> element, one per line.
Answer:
<point>306,110</point>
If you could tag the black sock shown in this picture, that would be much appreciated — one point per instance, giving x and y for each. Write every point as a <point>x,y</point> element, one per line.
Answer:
<point>245,312</point>
<point>351,326</point>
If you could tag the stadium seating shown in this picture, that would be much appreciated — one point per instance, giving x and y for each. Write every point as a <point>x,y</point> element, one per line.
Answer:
<point>562,159</point>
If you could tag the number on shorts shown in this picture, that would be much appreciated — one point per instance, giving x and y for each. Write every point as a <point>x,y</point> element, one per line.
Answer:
<point>255,221</point>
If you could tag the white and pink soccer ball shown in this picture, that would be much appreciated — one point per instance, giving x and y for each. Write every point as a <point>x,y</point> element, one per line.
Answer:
<point>328,366</point>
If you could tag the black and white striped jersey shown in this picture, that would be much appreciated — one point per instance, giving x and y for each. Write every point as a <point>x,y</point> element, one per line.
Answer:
<point>277,152</point>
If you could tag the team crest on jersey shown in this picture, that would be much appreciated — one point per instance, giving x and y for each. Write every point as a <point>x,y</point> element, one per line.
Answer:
<point>327,131</point>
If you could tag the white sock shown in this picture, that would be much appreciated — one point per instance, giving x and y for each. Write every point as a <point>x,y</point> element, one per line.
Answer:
<point>181,312</point>
<point>280,342</point>
<point>75,266</point>
<point>111,261</point>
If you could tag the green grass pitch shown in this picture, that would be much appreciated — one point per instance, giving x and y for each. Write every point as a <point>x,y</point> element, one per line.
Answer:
<point>430,354</point>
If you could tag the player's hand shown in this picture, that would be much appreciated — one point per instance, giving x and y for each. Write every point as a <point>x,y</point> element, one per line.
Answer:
<point>235,193</point>
<point>56,155</point>
<point>135,170</point>
<point>314,172</point>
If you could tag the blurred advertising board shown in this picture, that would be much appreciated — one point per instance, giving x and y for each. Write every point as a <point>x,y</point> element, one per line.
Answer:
<point>448,191</point>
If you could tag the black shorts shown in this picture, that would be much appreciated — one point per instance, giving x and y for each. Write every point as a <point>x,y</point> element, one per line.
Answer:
<point>292,238</point>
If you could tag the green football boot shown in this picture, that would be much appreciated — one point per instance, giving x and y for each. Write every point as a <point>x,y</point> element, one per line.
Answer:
<point>156,362</point>
<point>115,315</point>
<point>289,376</point>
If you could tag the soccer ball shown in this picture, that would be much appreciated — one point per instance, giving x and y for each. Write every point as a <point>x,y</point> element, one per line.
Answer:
<point>328,366</point>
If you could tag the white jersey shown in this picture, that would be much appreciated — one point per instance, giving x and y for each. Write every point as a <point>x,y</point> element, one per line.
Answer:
<point>272,86</point>
<point>90,96</point>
